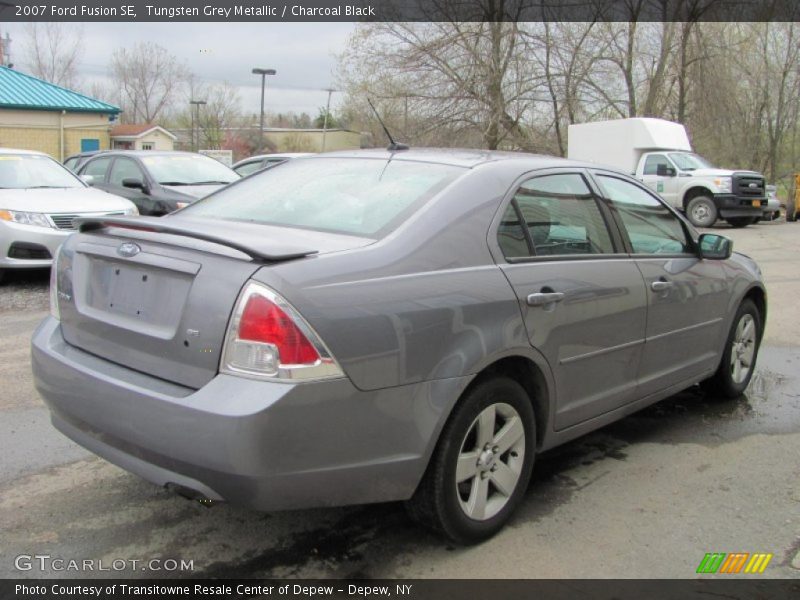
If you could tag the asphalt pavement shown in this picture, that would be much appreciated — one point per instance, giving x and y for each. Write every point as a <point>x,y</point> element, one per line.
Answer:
<point>646,497</point>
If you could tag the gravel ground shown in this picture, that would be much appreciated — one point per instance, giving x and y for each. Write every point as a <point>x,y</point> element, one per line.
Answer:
<point>25,290</point>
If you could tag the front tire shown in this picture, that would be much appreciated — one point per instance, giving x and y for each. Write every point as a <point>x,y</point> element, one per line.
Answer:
<point>701,211</point>
<point>739,356</point>
<point>481,466</point>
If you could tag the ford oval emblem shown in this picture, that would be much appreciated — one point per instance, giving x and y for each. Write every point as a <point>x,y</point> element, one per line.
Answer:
<point>753,185</point>
<point>128,249</point>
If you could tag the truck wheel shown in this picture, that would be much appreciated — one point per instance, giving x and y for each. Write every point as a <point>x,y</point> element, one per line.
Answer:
<point>739,222</point>
<point>480,469</point>
<point>701,211</point>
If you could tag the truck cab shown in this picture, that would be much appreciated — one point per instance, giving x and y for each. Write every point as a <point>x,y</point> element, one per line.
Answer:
<point>690,183</point>
<point>658,152</point>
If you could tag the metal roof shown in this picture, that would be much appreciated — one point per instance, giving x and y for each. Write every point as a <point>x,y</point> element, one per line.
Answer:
<point>25,92</point>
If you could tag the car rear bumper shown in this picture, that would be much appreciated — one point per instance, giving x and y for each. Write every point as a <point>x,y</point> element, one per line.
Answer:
<point>266,445</point>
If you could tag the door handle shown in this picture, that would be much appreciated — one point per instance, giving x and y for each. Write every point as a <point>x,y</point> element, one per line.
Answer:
<point>544,298</point>
<point>661,285</point>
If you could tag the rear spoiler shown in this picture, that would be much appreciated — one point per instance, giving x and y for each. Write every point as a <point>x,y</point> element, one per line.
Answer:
<point>158,225</point>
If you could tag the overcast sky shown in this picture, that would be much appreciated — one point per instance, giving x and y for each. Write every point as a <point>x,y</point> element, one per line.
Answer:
<point>303,54</point>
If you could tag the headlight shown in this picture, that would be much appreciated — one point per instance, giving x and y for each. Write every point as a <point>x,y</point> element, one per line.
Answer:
<point>132,211</point>
<point>724,184</point>
<point>24,218</point>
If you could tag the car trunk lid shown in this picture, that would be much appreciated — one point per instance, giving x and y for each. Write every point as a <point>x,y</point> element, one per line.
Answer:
<point>156,295</point>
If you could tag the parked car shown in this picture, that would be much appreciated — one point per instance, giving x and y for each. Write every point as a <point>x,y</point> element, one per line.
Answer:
<point>74,162</point>
<point>772,210</point>
<point>39,199</point>
<point>156,182</point>
<point>376,326</point>
<point>246,166</point>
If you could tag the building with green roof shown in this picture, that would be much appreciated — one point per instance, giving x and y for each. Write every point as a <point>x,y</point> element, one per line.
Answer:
<point>37,115</point>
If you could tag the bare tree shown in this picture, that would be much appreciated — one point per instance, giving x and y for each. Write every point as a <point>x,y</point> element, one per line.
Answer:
<point>458,78</point>
<point>52,52</point>
<point>221,111</point>
<point>149,79</point>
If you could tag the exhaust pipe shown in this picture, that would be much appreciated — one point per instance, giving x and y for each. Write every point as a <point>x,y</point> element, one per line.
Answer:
<point>190,494</point>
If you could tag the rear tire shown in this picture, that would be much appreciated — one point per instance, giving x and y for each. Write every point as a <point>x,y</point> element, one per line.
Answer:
<point>482,464</point>
<point>701,211</point>
<point>739,356</point>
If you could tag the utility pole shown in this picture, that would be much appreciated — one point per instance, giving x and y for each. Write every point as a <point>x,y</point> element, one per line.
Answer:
<point>325,120</point>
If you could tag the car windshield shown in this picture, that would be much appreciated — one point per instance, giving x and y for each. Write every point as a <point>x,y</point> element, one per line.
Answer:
<point>687,161</point>
<point>358,196</point>
<point>34,171</point>
<point>188,169</point>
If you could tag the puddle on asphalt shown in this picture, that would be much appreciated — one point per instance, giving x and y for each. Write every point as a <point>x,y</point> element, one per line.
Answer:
<point>355,542</point>
<point>771,405</point>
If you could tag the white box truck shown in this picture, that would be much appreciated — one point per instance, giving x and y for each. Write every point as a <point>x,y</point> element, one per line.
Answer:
<point>658,153</point>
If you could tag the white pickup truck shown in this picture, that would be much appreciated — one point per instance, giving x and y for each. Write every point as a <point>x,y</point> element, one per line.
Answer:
<point>658,152</point>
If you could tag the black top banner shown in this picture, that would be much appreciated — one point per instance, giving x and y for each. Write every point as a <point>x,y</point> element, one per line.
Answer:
<point>398,10</point>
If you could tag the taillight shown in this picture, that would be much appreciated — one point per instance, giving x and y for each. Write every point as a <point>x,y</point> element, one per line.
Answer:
<point>268,339</point>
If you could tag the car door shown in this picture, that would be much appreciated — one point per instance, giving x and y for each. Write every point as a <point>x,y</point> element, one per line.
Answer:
<point>686,296</point>
<point>665,185</point>
<point>582,299</point>
<point>123,168</point>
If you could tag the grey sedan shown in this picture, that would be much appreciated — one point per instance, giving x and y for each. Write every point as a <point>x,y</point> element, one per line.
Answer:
<point>378,326</point>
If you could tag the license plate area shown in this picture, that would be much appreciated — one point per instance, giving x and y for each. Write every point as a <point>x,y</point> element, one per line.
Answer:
<point>138,297</point>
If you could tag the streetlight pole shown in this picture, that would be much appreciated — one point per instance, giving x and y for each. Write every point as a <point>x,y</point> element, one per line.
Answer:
<point>263,73</point>
<point>196,104</point>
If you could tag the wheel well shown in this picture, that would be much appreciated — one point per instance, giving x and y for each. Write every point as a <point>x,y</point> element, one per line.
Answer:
<point>693,193</point>
<point>527,374</point>
<point>759,299</point>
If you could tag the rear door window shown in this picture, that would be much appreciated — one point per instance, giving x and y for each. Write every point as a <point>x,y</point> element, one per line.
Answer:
<point>554,215</point>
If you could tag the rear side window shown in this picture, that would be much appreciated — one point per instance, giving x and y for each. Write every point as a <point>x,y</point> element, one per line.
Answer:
<point>554,215</point>
<point>651,227</point>
<point>358,196</point>
<point>247,168</point>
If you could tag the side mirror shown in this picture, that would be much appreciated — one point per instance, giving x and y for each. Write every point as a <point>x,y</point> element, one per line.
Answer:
<point>663,170</point>
<point>715,247</point>
<point>134,183</point>
<point>87,179</point>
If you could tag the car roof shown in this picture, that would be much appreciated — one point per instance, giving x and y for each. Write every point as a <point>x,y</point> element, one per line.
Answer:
<point>141,153</point>
<point>462,157</point>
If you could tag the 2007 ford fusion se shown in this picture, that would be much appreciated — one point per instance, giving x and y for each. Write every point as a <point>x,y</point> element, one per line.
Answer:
<point>387,325</point>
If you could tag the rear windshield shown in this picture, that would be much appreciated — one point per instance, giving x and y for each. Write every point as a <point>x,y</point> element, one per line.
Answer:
<point>356,196</point>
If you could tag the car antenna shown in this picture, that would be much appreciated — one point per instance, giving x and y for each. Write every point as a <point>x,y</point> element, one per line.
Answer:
<point>393,146</point>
